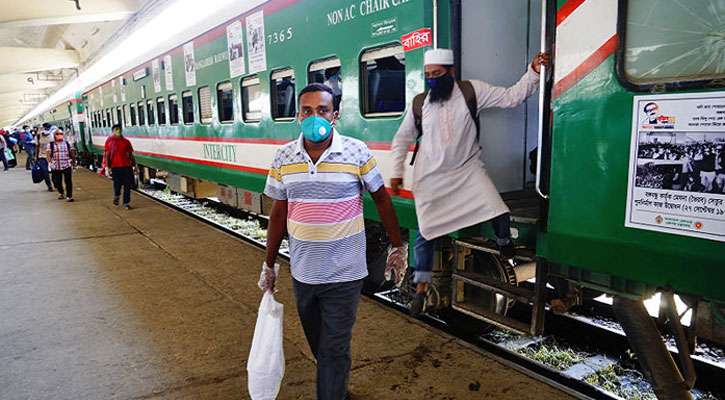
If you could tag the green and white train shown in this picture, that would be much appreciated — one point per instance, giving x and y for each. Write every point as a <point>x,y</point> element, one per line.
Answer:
<point>625,194</point>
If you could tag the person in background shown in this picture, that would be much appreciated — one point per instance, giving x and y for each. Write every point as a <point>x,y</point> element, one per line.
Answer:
<point>29,144</point>
<point>3,146</point>
<point>44,139</point>
<point>62,162</point>
<point>120,165</point>
<point>317,183</point>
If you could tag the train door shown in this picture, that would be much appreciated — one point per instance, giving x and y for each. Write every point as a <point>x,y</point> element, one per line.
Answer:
<point>499,41</point>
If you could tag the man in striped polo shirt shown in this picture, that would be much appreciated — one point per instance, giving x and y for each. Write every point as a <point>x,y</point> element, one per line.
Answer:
<point>317,183</point>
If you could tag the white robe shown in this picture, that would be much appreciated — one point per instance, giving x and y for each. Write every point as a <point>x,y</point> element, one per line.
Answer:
<point>451,187</point>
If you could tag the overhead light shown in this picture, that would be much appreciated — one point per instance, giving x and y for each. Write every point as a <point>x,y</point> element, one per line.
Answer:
<point>178,17</point>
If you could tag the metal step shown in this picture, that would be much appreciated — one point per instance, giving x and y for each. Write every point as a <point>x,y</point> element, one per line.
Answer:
<point>534,298</point>
<point>479,280</point>
<point>489,246</point>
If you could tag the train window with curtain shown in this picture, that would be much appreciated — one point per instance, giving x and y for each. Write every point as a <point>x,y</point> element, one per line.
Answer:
<point>161,110</point>
<point>119,115</point>
<point>382,80</point>
<point>283,94</point>
<point>225,102</point>
<point>665,43</point>
<point>205,105</point>
<point>141,113</point>
<point>187,107</point>
<point>251,99</point>
<point>109,118</point>
<point>327,72</point>
<point>133,114</point>
<point>173,109</point>
<point>150,111</point>
<point>126,116</point>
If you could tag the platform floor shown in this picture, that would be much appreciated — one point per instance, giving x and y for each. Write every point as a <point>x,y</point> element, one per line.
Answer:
<point>97,302</point>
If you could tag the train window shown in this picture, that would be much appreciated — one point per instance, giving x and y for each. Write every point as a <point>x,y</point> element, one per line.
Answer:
<point>205,104</point>
<point>133,114</point>
<point>283,94</point>
<point>119,115</point>
<point>161,110</point>
<point>150,110</point>
<point>187,107</point>
<point>327,71</point>
<point>251,99</point>
<point>225,102</point>
<point>126,116</point>
<point>107,123</point>
<point>382,78</point>
<point>141,114</point>
<point>660,45</point>
<point>173,109</point>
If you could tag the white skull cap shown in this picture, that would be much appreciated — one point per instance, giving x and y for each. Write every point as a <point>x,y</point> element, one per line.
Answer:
<point>439,57</point>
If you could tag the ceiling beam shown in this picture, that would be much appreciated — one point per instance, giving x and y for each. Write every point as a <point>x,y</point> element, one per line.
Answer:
<point>51,12</point>
<point>12,83</point>
<point>26,59</point>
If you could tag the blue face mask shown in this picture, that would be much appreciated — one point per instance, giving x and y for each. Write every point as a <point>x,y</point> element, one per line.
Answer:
<point>432,82</point>
<point>315,128</point>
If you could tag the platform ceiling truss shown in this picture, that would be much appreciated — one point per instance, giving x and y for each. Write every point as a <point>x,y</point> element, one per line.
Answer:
<point>43,44</point>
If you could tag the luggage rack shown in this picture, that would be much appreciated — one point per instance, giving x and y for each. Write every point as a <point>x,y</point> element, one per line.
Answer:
<point>525,266</point>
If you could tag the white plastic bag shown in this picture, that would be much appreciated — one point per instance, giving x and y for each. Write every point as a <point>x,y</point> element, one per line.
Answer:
<point>265,366</point>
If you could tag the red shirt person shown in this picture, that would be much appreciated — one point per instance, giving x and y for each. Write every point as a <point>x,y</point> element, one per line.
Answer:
<point>120,165</point>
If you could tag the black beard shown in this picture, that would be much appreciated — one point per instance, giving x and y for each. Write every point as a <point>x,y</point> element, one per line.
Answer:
<point>443,89</point>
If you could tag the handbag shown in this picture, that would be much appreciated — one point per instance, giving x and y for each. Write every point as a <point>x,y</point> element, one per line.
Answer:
<point>37,174</point>
<point>265,365</point>
<point>9,154</point>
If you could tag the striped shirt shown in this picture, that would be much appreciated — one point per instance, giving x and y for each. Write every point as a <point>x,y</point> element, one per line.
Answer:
<point>325,207</point>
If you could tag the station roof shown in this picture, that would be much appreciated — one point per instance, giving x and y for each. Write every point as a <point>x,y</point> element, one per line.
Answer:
<point>43,44</point>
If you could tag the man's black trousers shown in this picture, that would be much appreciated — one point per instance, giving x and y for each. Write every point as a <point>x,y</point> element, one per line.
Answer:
<point>327,313</point>
<point>122,176</point>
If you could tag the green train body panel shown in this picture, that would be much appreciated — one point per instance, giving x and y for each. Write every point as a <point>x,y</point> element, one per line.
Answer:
<point>349,40</point>
<point>592,128</point>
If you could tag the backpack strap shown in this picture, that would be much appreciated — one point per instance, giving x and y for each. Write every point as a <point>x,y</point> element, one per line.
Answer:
<point>470,95</point>
<point>418,118</point>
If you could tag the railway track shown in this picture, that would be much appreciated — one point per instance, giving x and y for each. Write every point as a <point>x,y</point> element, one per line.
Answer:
<point>565,357</point>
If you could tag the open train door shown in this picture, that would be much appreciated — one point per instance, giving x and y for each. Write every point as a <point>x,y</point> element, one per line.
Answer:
<point>496,42</point>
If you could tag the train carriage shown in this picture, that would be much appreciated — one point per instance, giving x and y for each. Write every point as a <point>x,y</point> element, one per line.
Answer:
<point>620,197</point>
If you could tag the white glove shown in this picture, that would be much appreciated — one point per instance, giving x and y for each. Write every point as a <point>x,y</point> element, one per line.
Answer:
<point>268,278</point>
<point>397,264</point>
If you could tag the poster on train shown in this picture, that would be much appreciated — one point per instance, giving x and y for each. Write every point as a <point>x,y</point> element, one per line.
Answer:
<point>189,64</point>
<point>122,88</point>
<point>677,165</point>
<point>255,42</point>
<point>156,73</point>
<point>235,47</point>
<point>168,74</point>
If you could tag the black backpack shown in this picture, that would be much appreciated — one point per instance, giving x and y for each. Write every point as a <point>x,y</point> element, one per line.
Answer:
<point>468,93</point>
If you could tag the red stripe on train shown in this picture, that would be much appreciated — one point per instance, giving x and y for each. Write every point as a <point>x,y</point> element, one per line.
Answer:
<point>567,9</point>
<point>406,194</point>
<point>598,57</point>
<point>384,146</point>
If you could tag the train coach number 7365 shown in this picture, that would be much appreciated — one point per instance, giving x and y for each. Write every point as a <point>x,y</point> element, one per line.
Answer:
<point>281,36</point>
